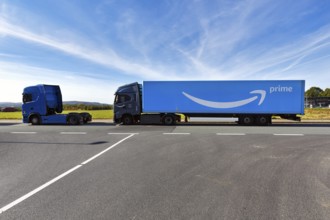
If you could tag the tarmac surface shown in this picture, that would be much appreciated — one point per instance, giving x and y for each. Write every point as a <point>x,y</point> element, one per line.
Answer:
<point>189,171</point>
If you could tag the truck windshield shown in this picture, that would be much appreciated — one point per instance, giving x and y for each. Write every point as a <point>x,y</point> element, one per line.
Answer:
<point>27,97</point>
<point>122,98</point>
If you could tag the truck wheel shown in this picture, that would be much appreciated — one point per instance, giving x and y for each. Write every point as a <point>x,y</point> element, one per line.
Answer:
<point>247,120</point>
<point>86,117</point>
<point>168,120</point>
<point>127,120</point>
<point>262,120</point>
<point>35,120</point>
<point>73,119</point>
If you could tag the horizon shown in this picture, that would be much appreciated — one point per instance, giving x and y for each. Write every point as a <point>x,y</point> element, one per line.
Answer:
<point>91,48</point>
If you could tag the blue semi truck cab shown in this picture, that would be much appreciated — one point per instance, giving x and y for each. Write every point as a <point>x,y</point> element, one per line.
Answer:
<point>42,104</point>
<point>253,102</point>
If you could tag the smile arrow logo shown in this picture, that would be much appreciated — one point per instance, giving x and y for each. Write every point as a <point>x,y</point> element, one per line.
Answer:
<point>234,104</point>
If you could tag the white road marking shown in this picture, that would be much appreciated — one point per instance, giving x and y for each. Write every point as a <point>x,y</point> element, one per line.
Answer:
<point>21,199</point>
<point>23,132</point>
<point>109,148</point>
<point>73,133</point>
<point>123,133</point>
<point>288,134</point>
<point>176,133</point>
<point>231,134</point>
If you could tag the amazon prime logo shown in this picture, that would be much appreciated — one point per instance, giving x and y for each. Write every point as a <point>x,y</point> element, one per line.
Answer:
<point>234,104</point>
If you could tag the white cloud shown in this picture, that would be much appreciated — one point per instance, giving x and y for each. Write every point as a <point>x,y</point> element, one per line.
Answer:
<point>222,42</point>
<point>15,77</point>
<point>103,56</point>
<point>224,50</point>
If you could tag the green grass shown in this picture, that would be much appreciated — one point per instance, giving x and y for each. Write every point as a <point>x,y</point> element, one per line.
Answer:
<point>97,114</point>
<point>10,115</point>
<point>310,114</point>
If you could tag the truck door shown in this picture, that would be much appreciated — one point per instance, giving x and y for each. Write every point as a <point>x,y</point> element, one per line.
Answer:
<point>125,105</point>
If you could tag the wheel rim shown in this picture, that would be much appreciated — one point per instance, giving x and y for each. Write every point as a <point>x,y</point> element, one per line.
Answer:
<point>247,120</point>
<point>127,120</point>
<point>35,120</point>
<point>168,120</point>
<point>73,120</point>
<point>262,120</point>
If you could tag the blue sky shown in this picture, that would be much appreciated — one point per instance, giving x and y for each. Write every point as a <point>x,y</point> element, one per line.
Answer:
<point>90,48</point>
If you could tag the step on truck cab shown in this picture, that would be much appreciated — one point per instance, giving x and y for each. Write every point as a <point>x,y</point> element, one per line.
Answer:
<point>253,102</point>
<point>42,104</point>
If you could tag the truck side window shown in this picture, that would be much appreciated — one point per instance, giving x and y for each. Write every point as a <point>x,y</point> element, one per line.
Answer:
<point>27,98</point>
<point>122,98</point>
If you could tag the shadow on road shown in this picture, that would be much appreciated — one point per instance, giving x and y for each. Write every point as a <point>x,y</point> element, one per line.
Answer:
<point>272,125</point>
<point>57,143</point>
<point>224,124</point>
<point>107,124</point>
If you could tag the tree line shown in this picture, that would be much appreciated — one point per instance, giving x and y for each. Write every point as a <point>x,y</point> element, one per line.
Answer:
<point>71,107</point>
<point>315,92</point>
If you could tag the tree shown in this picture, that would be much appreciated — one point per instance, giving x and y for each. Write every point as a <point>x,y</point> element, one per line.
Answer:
<point>313,92</point>
<point>325,93</point>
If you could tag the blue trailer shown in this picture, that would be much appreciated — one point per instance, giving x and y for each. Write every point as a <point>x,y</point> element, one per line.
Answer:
<point>252,102</point>
<point>42,105</point>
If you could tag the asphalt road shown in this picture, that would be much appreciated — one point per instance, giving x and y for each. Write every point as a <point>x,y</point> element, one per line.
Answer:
<point>102,171</point>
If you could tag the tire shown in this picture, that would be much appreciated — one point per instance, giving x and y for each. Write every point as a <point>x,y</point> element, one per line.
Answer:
<point>247,120</point>
<point>86,117</point>
<point>73,119</point>
<point>262,120</point>
<point>168,120</point>
<point>35,120</point>
<point>127,120</point>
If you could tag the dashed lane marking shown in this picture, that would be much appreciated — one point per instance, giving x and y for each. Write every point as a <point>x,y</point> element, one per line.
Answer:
<point>123,133</point>
<point>231,134</point>
<point>176,133</point>
<point>288,134</point>
<point>23,132</point>
<point>73,132</point>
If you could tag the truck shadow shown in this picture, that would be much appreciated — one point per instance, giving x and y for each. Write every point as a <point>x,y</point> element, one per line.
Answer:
<point>220,124</point>
<point>272,125</point>
<point>50,143</point>
<point>89,124</point>
<point>195,124</point>
<point>8,123</point>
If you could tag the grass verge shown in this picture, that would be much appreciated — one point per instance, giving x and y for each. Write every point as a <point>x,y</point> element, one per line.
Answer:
<point>316,114</point>
<point>97,114</point>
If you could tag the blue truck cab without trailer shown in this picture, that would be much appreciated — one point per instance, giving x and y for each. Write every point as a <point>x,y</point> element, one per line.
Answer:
<point>253,102</point>
<point>42,105</point>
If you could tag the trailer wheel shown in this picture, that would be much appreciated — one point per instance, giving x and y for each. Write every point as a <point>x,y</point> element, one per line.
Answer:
<point>35,120</point>
<point>127,120</point>
<point>168,120</point>
<point>262,120</point>
<point>247,120</point>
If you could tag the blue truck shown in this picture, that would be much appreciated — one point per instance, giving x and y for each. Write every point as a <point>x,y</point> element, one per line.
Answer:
<point>42,105</point>
<point>252,102</point>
